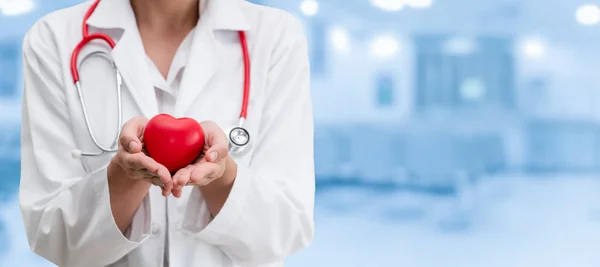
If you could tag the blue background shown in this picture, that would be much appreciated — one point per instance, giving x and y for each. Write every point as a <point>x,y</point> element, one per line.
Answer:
<point>448,133</point>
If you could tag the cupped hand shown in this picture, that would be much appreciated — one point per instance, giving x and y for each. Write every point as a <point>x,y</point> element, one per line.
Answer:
<point>211,164</point>
<point>137,164</point>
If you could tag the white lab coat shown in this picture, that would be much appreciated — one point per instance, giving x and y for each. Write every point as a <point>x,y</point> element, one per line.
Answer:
<point>65,202</point>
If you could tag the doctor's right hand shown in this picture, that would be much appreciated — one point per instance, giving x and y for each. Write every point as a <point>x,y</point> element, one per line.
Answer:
<point>132,161</point>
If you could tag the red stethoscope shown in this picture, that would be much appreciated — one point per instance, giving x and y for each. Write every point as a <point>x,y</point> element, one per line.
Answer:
<point>239,137</point>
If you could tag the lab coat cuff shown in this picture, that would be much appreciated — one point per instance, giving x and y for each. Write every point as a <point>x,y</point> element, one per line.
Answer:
<point>107,227</point>
<point>140,227</point>
<point>219,229</point>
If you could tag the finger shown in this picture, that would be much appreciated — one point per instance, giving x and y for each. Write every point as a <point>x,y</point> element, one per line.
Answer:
<point>135,175</point>
<point>154,180</point>
<point>165,192</point>
<point>144,165</point>
<point>149,175</point>
<point>204,173</point>
<point>217,152</point>
<point>139,161</point>
<point>216,140</point>
<point>166,179</point>
<point>145,175</point>
<point>177,193</point>
<point>182,177</point>
<point>131,134</point>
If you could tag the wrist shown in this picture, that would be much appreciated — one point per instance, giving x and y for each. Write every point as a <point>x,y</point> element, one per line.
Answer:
<point>118,177</point>
<point>216,193</point>
<point>230,170</point>
<point>126,195</point>
<point>227,179</point>
<point>114,169</point>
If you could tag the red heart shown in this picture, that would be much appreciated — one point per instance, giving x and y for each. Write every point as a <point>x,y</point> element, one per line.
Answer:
<point>174,143</point>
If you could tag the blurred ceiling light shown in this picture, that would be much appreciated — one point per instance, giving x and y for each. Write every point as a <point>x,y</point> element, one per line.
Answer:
<point>384,46</point>
<point>309,7</point>
<point>419,3</point>
<point>340,40</point>
<point>459,46</point>
<point>534,48</point>
<point>472,89</point>
<point>16,7</point>
<point>389,5</point>
<point>588,14</point>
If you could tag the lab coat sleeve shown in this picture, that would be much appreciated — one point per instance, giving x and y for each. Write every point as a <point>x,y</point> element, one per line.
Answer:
<point>66,212</point>
<point>269,213</point>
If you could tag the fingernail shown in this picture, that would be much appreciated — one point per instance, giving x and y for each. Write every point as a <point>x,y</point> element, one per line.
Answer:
<point>214,156</point>
<point>203,182</point>
<point>132,146</point>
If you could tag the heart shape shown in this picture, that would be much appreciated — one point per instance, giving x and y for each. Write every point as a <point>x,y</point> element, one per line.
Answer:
<point>174,143</point>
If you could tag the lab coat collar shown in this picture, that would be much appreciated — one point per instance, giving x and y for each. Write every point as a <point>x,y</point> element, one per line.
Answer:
<point>217,14</point>
<point>204,60</point>
<point>129,54</point>
<point>112,14</point>
<point>227,15</point>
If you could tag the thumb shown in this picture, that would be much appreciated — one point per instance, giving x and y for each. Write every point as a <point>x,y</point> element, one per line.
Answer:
<point>131,134</point>
<point>216,140</point>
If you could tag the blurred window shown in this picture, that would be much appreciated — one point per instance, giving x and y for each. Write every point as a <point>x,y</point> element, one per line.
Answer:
<point>455,73</point>
<point>9,68</point>
<point>318,46</point>
<point>385,87</point>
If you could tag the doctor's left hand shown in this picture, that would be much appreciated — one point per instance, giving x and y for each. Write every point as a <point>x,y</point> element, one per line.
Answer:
<point>132,160</point>
<point>212,163</point>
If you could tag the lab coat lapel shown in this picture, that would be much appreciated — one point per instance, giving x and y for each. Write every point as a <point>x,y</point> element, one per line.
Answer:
<point>129,54</point>
<point>201,68</point>
<point>130,58</point>
<point>203,64</point>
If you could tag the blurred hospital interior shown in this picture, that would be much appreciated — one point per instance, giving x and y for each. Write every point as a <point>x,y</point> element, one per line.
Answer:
<point>448,133</point>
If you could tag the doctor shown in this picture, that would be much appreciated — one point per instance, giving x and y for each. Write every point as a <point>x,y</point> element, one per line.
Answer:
<point>180,57</point>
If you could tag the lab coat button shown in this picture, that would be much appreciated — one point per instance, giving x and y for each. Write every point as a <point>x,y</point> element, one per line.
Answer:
<point>155,229</point>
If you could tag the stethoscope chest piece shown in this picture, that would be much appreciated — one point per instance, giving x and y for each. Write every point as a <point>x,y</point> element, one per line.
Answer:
<point>239,141</point>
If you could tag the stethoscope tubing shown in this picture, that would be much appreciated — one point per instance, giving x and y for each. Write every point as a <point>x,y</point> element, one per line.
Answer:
<point>119,84</point>
<point>87,38</point>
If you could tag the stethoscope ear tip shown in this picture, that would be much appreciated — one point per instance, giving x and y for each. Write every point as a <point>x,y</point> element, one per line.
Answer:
<point>76,153</point>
